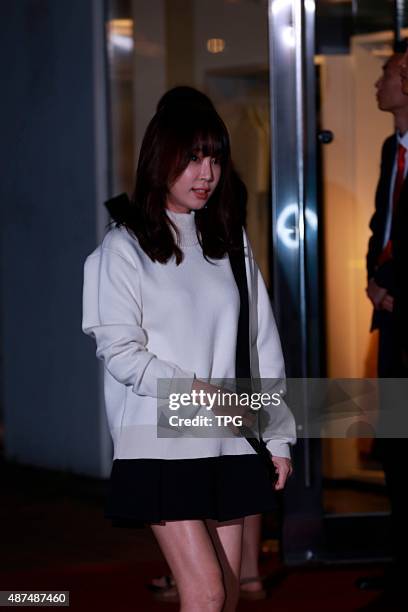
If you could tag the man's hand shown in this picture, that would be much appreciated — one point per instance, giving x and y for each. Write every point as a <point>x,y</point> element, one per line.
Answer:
<point>387,303</point>
<point>375,293</point>
<point>284,469</point>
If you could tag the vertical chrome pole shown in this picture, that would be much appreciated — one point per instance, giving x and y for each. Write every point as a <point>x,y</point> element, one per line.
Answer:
<point>294,230</point>
<point>301,106</point>
<point>293,182</point>
<point>300,159</point>
<point>399,10</point>
<point>286,160</point>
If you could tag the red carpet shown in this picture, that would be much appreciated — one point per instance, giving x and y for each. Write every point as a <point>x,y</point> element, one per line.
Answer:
<point>119,587</point>
<point>54,537</point>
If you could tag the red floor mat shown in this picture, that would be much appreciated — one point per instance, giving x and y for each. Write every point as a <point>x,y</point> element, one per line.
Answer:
<point>120,587</point>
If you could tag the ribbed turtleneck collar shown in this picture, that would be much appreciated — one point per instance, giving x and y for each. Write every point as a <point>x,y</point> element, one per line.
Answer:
<point>185,223</point>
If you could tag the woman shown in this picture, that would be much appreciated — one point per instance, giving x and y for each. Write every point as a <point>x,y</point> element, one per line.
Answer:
<point>161,302</point>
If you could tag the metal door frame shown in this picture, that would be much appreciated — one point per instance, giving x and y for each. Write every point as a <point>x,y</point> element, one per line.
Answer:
<point>295,241</point>
<point>307,534</point>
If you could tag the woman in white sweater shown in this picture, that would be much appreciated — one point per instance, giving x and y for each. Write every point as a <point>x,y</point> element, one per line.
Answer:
<point>161,301</point>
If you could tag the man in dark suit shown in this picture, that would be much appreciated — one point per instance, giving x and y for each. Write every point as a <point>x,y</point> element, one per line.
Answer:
<point>386,286</point>
<point>390,192</point>
<point>401,249</point>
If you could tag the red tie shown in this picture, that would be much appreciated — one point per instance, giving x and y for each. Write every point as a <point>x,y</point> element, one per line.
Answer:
<point>386,253</point>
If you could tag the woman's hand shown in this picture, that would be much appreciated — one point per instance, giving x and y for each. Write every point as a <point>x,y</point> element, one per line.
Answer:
<point>283,467</point>
<point>227,407</point>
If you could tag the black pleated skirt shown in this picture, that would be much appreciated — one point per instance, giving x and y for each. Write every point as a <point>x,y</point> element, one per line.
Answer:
<point>145,491</point>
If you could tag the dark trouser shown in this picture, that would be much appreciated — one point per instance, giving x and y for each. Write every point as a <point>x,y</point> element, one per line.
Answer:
<point>389,354</point>
<point>393,452</point>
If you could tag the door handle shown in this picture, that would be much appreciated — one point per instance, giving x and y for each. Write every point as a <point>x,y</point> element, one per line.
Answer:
<point>325,136</point>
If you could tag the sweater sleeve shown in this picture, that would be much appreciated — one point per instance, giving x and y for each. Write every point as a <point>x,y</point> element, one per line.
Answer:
<point>112,315</point>
<point>267,362</point>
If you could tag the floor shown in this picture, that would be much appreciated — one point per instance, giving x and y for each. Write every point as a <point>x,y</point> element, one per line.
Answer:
<point>345,499</point>
<point>54,537</point>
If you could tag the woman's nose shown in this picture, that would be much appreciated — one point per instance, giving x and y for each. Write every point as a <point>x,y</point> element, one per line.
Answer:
<point>206,169</point>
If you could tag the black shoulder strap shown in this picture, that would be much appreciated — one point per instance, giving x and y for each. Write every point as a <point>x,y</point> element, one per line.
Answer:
<point>242,355</point>
<point>242,360</point>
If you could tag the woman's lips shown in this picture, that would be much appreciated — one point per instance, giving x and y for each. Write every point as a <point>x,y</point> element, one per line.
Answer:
<point>201,194</point>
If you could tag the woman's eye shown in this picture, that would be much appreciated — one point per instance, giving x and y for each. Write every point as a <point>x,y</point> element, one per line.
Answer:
<point>194,158</point>
<point>215,161</point>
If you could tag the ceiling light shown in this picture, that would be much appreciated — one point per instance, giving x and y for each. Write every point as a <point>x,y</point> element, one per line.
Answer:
<point>215,45</point>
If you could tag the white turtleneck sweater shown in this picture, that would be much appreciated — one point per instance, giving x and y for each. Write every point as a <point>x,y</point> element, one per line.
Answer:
<point>172,323</point>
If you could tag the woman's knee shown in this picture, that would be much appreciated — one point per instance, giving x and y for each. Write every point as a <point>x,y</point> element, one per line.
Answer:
<point>205,594</point>
<point>215,596</point>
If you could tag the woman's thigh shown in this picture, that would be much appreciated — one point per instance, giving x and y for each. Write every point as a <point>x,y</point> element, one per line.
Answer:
<point>190,553</point>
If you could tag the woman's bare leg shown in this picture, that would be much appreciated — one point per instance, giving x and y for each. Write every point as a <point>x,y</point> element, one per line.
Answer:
<point>250,552</point>
<point>227,539</point>
<point>189,551</point>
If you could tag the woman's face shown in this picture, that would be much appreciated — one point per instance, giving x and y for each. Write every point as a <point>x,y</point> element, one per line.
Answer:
<point>194,186</point>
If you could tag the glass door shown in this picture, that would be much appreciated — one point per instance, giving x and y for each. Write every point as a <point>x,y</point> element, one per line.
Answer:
<point>327,134</point>
<point>348,69</point>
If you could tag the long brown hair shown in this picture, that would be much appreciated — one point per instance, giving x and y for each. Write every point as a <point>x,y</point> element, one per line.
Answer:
<point>173,135</point>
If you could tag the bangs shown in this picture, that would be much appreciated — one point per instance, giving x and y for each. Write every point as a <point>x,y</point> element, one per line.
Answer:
<point>193,131</point>
<point>210,144</point>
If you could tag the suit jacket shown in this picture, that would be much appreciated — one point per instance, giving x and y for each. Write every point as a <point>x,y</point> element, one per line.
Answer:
<point>400,259</point>
<point>392,275</point>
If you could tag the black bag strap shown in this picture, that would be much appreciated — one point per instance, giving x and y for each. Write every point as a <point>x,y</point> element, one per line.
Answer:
<point>242,359</point>
<point>242,356</point>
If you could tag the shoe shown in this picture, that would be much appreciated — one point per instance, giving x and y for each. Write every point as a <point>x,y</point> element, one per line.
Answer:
<point>169,595</point>
<point>252,594</point>
<point>164,589</point>
<point>160,584</point>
